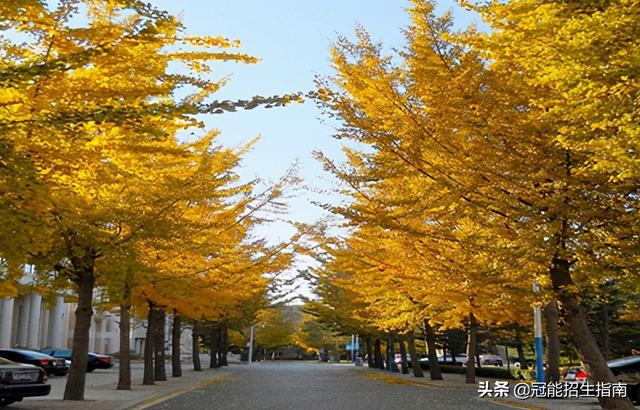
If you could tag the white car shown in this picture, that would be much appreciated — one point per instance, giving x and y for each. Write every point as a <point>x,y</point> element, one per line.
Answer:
<point>491,360</point>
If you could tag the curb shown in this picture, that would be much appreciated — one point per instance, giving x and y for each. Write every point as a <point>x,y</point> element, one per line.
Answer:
<point>152,401</point>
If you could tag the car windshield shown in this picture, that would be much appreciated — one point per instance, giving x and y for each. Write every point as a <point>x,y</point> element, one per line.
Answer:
<point>63,353</point>
<point>34,355</point>
<point>625,361</point>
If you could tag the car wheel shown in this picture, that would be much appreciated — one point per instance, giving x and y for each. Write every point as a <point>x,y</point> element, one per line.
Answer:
<point>5,401</point>
<point>90,369</point>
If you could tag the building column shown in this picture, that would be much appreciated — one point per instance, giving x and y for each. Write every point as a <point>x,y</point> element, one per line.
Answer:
<point>43,330</point>
<point>92,333</point>
<point>34,320</point>
<point>6,322</point>
<point>23,321</point>
<point>56,324</point>
<point>103,335</point>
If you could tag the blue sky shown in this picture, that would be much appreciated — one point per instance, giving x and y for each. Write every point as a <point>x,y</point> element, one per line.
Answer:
<point>292,39</point>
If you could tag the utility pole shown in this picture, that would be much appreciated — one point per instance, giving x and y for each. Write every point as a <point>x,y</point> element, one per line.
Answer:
<point>356,349</point>
<point>251,344</point>
<point>537,329</point>
<point>353,342</point>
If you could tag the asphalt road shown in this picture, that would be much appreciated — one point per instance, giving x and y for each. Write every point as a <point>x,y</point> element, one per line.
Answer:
<point>309,386</point>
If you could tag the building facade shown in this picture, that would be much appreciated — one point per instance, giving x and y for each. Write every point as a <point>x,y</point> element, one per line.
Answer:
<point>33,322</point>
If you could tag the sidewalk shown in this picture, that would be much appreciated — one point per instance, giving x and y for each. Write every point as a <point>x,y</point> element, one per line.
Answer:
<point>101,393</point>
<point>456,381</point>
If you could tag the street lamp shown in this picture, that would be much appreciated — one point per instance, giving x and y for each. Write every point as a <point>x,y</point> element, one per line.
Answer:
<point>537,330</point>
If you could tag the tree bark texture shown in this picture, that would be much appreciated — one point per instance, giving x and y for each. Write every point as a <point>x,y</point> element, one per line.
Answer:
<point>124,369</point>
<point>550,313</point>
<point>403,357</point>
<point>379,362</point>
<point>370,361</point>
<point>224,347</point>
<point>575,319</point>
<point>470,374</point>
<point>85,281</point>
<point>391,356</point>
<point>213,348</point>
<point>520,349</point>
<point>195,348</point>
<point>415,361</point>
<point>176,332</point>
<point>147,378</point>
<point>606,337</point>
<point>159,369</point>
<point>430,337</point>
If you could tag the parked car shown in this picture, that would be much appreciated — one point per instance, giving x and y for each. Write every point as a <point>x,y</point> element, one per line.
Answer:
<point>398,359</point>
<point>626,370</point>
<point>491,360</point>
<point>19,380</point>
<point>449,360</point>
<point>575,374</point>
<point>51,365</point>
<point>95,360</point>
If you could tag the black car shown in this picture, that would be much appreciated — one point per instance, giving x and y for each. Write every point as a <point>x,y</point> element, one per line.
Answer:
<point>50,364</point>
<point>18,380</point>
<point>95,360</point>
<point>627,370</point>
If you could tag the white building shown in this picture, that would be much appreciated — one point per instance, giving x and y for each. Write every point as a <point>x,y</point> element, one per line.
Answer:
<point>32,322</point>
<point>36,320</point>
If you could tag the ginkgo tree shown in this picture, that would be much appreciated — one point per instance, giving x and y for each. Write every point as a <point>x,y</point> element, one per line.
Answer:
<point>91,117</point>
<point>520,157</point>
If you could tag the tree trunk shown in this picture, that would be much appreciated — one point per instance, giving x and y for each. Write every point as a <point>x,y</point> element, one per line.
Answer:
<point>195,348</point>
<point>213,347</point>
<point>159,371</point>
<point>224,348</point>
<point>606,337</point>
<point>553,342</point>
<point>176,331</point>
<point>403,357</point>
<point>370,361</point>
<point>575,320</point>
<point>415,362</point>
<point>147,378</point>
<point>378,355</point>
<point>391,356</point>
<point>220,347</point>
<point>470,375</point>
<point>430,337</point>
<point>519,348</point>
<point>84,279</point>
<point>124,369</point>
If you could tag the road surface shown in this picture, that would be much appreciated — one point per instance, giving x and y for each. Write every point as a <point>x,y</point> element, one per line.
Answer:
<point>310,386</point>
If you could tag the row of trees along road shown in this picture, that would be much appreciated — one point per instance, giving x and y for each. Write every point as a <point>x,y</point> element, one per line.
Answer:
<point>482,162</point>
<point>99,192</point>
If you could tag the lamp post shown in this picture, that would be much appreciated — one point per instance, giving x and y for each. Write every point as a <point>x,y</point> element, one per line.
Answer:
<point>251,343</point>
<point>537,329</point>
